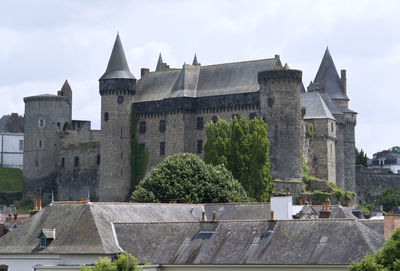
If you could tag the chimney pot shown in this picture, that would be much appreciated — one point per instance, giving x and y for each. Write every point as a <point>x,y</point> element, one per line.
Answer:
<point>203,216</point>
<point>214,215</point>
<point>272,215</point>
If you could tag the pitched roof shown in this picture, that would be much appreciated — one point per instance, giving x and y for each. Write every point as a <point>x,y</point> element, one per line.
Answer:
<point>87,228</point>
<point>159,63</point>
<point>117,67</point>
<point>315,106</point>
<point>195,62</point>
<point>210,80</point>
<point>6,126</point>
<point>322,241</point>
<point>66,86</point>
<point>328,78</point>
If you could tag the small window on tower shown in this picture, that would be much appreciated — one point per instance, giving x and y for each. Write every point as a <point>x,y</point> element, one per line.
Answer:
<point>162,126</point>
<point>63,162</point>
<point>76,161</point>
<point>199,123</point>
<point>162,148</point>
<point>58,125</point>
<point>199,146</point>
<point>36,163</point>
<point>41,123</point>
<point>120,99</point>
<point>98,159</point>
<point>40,144</point>
<point>142,127</point>
<point>253,115</point>
<point>106,117</point>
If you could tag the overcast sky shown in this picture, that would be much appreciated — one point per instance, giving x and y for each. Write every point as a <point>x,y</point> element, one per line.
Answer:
<point>44,42</point>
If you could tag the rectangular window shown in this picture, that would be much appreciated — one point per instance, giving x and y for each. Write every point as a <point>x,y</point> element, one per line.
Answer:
<point>63,162</point>
<point>121,133</point>
<point>199,123</point>
<point>41,123</point>
<point>214,119</point>
<point>236,116</point>
<point>199,146</point>
<point>142,127</point>
<point>40,143</point>
<point>43,241</point>
<point>36,163</point>
<point>21,145</point>
<point>98,159</point>
<point>162,126</point>
<point>106,117</point>
<point>162,148</point>
<point>58,125</point>
<point>253,115</point>
<point>76,161</point>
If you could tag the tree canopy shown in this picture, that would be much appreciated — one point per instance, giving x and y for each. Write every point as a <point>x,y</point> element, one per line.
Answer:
<point>184,177</point>
<point>387,258</point>
<point>124,262</point>
<point>361,158</point>
<point>242,147</point>
<point>389,199</point>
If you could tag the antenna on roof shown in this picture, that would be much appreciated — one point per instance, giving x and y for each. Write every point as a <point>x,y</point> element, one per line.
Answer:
<point>88,197</point>
<point>52,197</point>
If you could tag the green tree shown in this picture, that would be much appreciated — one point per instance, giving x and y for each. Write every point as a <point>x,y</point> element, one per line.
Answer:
<point>242,147</point>
<point>184,177</point>
<point>139,154</point>
<point>387,258</point>
<point>124,262</point>
<point>389,199</point>
<point>361,158</point>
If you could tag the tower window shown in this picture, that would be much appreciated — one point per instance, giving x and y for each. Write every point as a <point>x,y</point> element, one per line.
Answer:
<point>40,143</point>
<point>36,163</point>
<point>106,117</point>
<point>58,125</point>
<point>199,146</point>
<point>120,99</point>
<point>63,162</point>
<point>270,102</point>
<point>121,133</point>
<point>98,159</point>
<point>162,126</point>
<point>142,127</point>
<point>199,123</point>
<point>41,123</point>
<point>76,161</point>
<point>162,148</point>
<point>252,115</point>
<point>332,127</point>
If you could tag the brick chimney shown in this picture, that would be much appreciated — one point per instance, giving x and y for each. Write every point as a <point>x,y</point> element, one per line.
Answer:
<point>390,223</point>
<point>325,212</point>
<point>14,123</point>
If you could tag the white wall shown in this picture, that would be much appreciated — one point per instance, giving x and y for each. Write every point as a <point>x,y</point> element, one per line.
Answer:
<point>282,207</point>
<point>11,155</point>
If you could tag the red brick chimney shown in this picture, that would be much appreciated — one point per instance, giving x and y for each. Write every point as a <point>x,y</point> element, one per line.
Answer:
<point>325,212</point>
<point>14,123</point>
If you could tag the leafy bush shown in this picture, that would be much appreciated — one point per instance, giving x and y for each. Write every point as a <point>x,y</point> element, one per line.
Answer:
<point>184,177</point>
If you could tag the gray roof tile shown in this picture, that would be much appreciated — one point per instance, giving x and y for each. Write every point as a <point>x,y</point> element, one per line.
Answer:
<point>315,106</point>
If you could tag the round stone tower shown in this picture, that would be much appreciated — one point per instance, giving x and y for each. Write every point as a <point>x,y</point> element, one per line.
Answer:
<point>45,117</point>
<point>117,87</point>
<point>280,107</point>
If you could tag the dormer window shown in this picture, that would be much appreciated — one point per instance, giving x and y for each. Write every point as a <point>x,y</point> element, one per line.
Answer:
<point>46,236</point>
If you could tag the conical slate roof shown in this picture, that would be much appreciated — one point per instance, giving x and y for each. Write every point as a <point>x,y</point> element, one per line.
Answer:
<point>195,62</point>
<point>66,86</point>
<point>117,65</point>
<point>328,78</point>
<point>159,63</point>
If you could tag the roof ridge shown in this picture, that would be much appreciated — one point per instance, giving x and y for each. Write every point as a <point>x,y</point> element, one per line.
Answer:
<point>237,62</point>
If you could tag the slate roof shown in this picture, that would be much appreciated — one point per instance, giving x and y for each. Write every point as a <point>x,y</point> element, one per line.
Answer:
<point>87,228</point>
<point>5,124</point>
<point>315,106</point>
<point>328,78</point>
<point>322,241</point>
<point>202,81</point>
<point>117,67</point>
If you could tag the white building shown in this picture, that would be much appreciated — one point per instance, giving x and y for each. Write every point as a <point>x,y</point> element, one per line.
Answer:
<point>11,150</point>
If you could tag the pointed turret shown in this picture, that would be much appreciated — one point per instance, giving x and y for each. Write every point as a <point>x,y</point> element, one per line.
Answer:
<point>66,86</point>
<point>159,63</point>
<point>328,78</point>
<point>117,67</point>
<point>195,62</point>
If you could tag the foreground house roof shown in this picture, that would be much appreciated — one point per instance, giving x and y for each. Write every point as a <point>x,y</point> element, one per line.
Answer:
<point>173,234</point>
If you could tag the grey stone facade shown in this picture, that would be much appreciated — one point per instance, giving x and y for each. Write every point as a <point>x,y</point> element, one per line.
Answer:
<point>173,107</point>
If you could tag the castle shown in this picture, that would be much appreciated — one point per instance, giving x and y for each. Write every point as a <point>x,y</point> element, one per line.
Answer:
<point>172,106</point>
